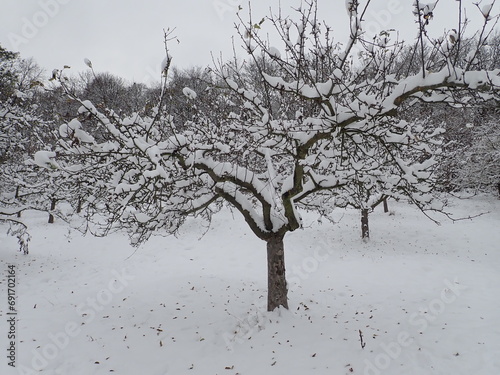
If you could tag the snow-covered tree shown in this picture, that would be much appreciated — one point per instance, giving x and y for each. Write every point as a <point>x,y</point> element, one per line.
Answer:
<point>464,125</point>
<point>478,167</point>
<point>7,73</point>
<point>330,121</point>
<point>22,132</point>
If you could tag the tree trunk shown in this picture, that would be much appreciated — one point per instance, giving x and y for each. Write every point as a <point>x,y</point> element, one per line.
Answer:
<point>276,282</point>
<point>52,208</point>
<point>79,205</point>
<point>17,197</point>
<point>386,206</point>
<point>365,230</point>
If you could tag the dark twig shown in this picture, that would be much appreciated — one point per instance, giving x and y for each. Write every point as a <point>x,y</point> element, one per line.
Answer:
<point>363,344</point>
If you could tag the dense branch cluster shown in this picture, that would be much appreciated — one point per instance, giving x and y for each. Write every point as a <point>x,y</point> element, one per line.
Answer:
<point>322,130</point>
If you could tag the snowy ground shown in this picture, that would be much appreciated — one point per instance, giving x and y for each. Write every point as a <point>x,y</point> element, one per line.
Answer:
<point>424,297</point>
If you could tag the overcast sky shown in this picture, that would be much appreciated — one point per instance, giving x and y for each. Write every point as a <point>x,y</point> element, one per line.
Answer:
<point>125,37</point>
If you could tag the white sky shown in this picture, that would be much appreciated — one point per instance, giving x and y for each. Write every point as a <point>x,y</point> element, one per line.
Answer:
<point>125,37</point>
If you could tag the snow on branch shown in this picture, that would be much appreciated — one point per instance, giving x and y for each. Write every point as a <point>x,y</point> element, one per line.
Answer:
<point>304,122</point>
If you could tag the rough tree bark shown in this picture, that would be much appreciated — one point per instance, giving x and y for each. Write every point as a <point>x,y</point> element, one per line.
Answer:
<point>365,230</point>
<point>52,208</point>
<point>386,206</point>
<point>276,281</point>
<point>17,197</point>
<point>79,205</point>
